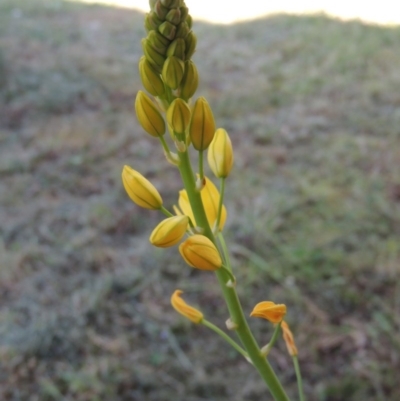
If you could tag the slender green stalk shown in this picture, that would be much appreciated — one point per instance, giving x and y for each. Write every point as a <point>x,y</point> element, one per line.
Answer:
<point>224,249</point>
<point>299,378</point>
<point>201,164</point>
<point>221,201</point>
<point>229,293</point>
<point>225,336</point>
<point>265,350</point>
<point>166,212</point>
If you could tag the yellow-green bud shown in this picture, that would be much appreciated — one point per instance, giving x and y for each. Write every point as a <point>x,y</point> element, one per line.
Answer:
<point>151,78</point>
<point>158,42</point>
<point>177,49</point>
<point>152,3</point>
<point>148,23</point>
<point>174,16</point>
<point>170,231</point>
<point>220,154</point>
<point>140,190</point>
<point>172,72</point>
<point>184,13</point>
<point>202,125</point>
<point>199,252</point>
<point>168,30</point>
<point>148,115</point>
<point>191,42</point>
<point>182,30</point>
<point>160,10</point>
<point>171,3</point>
<point>153,20</point>
<point>190,80</point>
<point>152,55</point>
<point>178,116</point>
<point>189,21</point>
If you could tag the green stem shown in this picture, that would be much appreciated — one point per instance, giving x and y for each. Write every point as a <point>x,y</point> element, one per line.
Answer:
<point>229,293</point>
<point>221,201</point>
<point>265,350</point>
<point>166,212</point>
<point>299,378</point>
<point>201,165</point>
<point>225,252</point>
<point>225,336</point>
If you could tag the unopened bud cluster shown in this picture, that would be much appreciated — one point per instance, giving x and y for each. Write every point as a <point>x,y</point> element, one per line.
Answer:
<point>168,47</point>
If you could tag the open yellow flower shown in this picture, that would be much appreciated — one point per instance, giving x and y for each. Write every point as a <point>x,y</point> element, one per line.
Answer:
<point>170,231</point>
<point>140,189</point>
<point>184,309</point>
<point>199,252</point>
<point>210,197</point>
<point>270,311</point>
<point>289,339</point>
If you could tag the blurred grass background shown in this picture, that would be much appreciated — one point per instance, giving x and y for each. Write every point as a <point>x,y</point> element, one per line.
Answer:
<point>312,105</point>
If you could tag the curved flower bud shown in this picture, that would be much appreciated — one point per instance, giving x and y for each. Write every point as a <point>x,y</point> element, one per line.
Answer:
<point>140,190</point>
<point>289,339</point>
<point>190,80</point>
<point>220,154</point>
<point>178,116</point>
<point>174,16</point>
<point>158,42</point>
<point>202,125</point>
<point>199,252</point>
<point>170,231</point>
<point>172,72</point>
<point>160,10</point>
<point>151,78</point>
<point>210,198</point>
<point>182,30</point>
<point>184,309</point>
<point>152,55</point>
<point>270,311</point>
<point>170,3</point>
<point>168,30</point>
<point>148,115</point>
<point>191,42</point>
<point>177,49</point>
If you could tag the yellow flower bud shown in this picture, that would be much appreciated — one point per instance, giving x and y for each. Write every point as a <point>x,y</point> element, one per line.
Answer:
<point>174,16</point>
<point>151,78</point>
<point>178,116</point>
<point>190,80</point>
<point>177,49</point>
<point>160,10</point>
<point>182,30</point>
<point>152,55</point>
<point>202,125</point>
<point>210,198</point>
<point>158,42</point>
<point>172,71</point>
<point>140,190</point>
<point>289,339</point>
<point>191,42</point>
<point>184,309</point>
<point>148,115</point>
<point>171,3</point>
<point>199,252</point>
<point>270,311</point>
<point>168,30</point>
<point>170,231</point>
<point>220,154</point>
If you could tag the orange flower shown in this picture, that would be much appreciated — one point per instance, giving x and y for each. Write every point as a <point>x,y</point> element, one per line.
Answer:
<point>184,309</point>
<point>270,311</point>
<point>289,340</point>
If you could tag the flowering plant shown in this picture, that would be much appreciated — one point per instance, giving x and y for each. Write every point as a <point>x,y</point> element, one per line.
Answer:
<point>170,76</point>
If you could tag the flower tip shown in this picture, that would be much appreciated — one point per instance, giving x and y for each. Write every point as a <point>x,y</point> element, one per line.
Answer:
<point>270,311</point>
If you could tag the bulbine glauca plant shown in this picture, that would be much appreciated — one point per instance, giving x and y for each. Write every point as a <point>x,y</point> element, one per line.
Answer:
<point>170,78</point>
